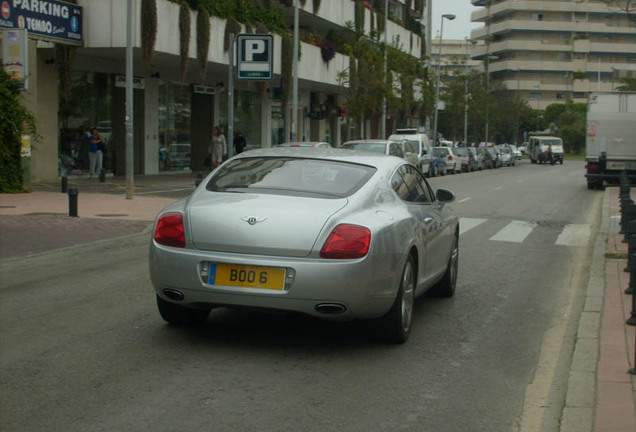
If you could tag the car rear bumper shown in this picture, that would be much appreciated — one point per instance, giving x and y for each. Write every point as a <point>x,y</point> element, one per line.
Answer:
<point>364,288</point>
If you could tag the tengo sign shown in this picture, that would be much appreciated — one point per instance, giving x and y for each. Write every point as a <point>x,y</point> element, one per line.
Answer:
<point>53,20</point>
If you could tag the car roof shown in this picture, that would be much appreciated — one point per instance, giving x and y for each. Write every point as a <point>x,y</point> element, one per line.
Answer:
<point>325,153</point>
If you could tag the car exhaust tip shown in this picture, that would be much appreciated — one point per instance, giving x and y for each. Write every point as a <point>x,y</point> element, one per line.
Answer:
<point>330,308</point>
<point>173,294</point>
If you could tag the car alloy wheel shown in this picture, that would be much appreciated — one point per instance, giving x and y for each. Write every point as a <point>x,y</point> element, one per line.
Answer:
<point>446,286</point>
<point>396,324</point>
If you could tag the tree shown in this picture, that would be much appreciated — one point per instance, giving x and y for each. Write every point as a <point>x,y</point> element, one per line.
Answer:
<point>569,122</point>
<point>15,119</point>
<point>629,84</point>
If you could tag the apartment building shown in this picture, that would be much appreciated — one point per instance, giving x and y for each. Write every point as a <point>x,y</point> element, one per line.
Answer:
<point>456,55</point>
<point>175,110</point>
<point>553,50</point>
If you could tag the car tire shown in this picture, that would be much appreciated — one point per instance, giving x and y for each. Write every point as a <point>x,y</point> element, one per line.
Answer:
<point>396,324</point>
<point>446,286</point>
<point>175,314</point>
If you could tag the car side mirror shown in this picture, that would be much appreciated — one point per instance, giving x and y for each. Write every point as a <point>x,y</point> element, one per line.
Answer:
<point>444,195</point>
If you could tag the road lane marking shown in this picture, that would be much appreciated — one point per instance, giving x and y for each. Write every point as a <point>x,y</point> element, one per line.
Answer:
<point>463,200</point>
<point>466,224</point>
<point>499,187</point>
<point>574,235</point>
<point>514,232</point>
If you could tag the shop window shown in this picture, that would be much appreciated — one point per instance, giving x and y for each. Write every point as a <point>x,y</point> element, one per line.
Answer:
<point>89,106</point>
<point>174,127</point>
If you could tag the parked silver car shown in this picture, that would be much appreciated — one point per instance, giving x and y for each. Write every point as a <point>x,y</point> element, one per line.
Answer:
<point>335,234</point>
<point>314,144</point>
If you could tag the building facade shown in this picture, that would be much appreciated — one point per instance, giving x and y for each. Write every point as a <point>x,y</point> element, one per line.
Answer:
<point>175,113</point>
<point>553,50</point>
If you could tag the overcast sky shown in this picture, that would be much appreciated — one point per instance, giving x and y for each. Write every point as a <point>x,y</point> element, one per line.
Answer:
<point>461,26</point>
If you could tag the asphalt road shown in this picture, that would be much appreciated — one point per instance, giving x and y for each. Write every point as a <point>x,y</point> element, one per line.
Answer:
<point>83,348</point>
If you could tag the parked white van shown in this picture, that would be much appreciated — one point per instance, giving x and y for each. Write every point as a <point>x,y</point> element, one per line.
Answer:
<point>420,141</point>
<point>538,148</point>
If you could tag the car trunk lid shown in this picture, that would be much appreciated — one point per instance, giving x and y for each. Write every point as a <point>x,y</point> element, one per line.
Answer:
<point>261,224</point>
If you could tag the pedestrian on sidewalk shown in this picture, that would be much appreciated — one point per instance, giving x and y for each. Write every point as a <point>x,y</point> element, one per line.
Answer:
<point>239,142</point>
<point>218,147</point>
<point>96,147</point>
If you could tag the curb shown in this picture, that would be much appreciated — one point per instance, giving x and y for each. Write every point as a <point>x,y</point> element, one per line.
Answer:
<point>580,403</point>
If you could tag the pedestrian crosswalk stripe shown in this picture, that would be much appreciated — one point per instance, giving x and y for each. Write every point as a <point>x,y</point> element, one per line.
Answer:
<point>466,224</point>
<point>515,232</point>
<point>574,235</point>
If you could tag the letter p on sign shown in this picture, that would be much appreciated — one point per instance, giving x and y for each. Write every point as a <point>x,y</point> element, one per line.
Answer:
<point>255,57</point>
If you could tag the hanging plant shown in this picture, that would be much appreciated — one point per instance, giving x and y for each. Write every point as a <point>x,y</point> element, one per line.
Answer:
<point>327,50</point>
<point>148,30</point>
<point>231,26</point>
<point>286,68</point>
<point>359,16</point>
<point>380,17</point>
<point>184,38</point>
<point>203,41</point>
<point>288,3</point>
<point>316,6</point>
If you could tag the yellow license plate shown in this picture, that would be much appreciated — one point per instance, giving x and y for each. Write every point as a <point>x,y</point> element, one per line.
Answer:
<point>247,276</point>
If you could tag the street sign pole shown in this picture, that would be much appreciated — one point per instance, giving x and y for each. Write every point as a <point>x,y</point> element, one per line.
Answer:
<point>230,102</point>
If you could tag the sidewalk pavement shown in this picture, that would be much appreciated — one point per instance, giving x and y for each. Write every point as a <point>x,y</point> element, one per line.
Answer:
<point>601,395</point>
<point>38,221</point>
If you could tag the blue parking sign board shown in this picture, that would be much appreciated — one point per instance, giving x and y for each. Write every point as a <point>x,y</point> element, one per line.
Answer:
<point>255,57</point>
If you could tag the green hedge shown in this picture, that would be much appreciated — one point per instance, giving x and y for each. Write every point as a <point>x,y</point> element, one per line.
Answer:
<point>14,120</point>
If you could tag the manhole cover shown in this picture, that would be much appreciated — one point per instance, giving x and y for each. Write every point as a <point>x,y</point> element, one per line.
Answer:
<point>111,215</point>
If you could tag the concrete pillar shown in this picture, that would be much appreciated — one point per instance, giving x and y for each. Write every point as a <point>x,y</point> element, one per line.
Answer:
<point>151,126</point>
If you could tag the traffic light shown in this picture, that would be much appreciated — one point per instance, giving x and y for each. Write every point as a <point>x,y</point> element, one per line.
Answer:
<point>342,112</point>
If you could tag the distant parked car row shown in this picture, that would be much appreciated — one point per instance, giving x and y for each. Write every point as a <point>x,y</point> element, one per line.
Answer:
<point>432,161</point>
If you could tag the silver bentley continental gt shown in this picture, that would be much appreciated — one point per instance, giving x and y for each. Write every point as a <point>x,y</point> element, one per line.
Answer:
<point>335,234</point>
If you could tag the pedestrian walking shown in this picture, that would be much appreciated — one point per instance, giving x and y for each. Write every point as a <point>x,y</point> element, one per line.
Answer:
<point>218,147</point>
<point>550,155</point>
<point>239,142</point>
<point>96,147</point>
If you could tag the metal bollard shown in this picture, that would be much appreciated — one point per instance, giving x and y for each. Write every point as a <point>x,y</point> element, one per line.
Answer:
<point>102,176</point>
<point>199,179</point>
<point>632,319</point>
<point>625,203</point>
<point>630,215</point>
<point>64,184</point>
<point>72,202</point>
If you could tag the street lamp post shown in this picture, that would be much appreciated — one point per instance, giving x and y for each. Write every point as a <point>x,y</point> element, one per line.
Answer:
<point>472,41</point>
<point>517,71</point>
<point>488,58</point>
<point>449,17</point>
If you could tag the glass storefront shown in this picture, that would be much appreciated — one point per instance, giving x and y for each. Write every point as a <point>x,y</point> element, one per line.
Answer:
<point>89,106</point>
<point>174,127</point>
<point>247,117</point>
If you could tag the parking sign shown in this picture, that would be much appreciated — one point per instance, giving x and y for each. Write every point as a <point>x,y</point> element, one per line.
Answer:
<point>255,57</point>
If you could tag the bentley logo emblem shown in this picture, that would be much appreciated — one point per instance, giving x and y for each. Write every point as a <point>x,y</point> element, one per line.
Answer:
<point>253,220</point>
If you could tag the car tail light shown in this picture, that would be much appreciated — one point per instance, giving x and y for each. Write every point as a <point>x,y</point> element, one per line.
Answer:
<point>450,158</point>
<point>169,230</point>
<point>347,242</point>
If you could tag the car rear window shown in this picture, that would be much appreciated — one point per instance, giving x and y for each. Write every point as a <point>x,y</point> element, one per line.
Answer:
<point>291,176</point>
<point>462,152</point>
